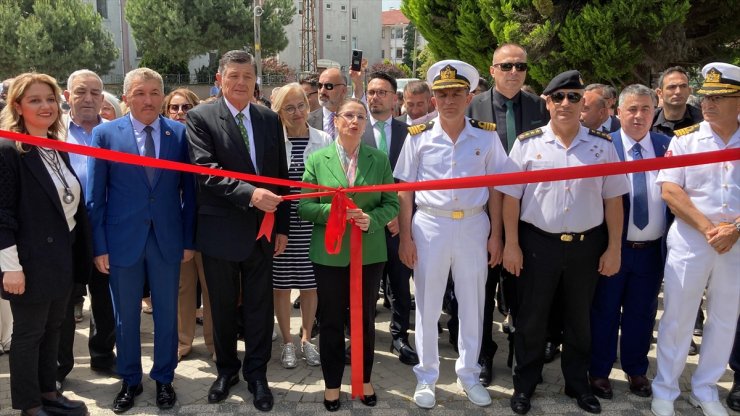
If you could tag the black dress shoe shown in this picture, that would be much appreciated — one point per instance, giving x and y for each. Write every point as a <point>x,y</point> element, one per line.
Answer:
<point>331,405</point>
<point>263,400</point>
<point>551,350</point>
<point>166,396</point>
<point>520,403</point>
<point>640,386</point>
<point>40,412</point>
<point>486,370</point>
<point>586,401</point>
<point>406,353</point>
<point>348,355</point>
<point>733,399</point>
<point>699,324</point>
<point>220,388</point>
<point>63,406</point>
<point>125,398</point>
<point>601,387</point>
<point>693,348</point>
<point>297,303</point>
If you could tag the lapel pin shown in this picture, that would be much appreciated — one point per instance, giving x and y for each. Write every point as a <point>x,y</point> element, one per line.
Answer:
<point>167,133</point>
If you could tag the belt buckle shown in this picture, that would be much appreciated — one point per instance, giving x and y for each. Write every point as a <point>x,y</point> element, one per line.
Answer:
<point>458,215</point>
<point>566,238</point>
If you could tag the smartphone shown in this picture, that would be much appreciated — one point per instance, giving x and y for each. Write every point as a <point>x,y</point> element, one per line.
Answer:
<point>356,60</point>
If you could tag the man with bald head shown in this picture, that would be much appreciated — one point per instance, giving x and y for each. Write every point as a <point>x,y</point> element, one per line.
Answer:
<point>332,90</point>
<point>595,113</point>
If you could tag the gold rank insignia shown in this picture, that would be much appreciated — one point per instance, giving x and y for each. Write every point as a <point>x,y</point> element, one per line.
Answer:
<point>418,128</point>
<point>713,75</point>
<point>686,130</point>
<point>448,73</point>
<point>485,125</point>
<point>600,134</point>
<point>529,134</point>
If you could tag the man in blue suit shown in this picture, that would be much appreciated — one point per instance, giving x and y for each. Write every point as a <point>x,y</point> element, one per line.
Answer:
<point>629,299</point>
<point>143,222</point>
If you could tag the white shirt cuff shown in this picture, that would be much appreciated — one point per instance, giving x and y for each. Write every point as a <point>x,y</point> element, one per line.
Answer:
<point>9,261</point>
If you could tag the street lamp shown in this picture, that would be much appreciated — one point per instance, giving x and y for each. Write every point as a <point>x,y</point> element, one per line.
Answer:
<point>258,11</point>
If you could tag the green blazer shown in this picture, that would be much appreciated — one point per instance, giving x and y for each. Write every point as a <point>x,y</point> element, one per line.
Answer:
<point>373,168</point>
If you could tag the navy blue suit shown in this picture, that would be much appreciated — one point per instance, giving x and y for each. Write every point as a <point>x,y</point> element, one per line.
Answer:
<point>628,299</point>
<point>144,229</point>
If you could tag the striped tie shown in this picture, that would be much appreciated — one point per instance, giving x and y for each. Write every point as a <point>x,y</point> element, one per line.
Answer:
<point>243,129</point>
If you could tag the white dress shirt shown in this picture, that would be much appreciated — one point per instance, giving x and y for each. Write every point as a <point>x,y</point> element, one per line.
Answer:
<point>248,124</point>
<point>656,207</point>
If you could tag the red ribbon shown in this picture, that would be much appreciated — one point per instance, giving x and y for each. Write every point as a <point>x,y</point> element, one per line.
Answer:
<point>336,224</point>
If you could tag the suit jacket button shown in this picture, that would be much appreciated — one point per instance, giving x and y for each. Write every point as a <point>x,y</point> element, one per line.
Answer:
<point>49,239</point>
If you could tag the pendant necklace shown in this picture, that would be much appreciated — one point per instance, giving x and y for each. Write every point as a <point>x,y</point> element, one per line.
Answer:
<point>52,158</point>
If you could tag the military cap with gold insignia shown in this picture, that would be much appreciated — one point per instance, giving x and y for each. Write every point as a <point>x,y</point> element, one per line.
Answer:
<point>566,80</point>
<point>720,79</point>
<point>452,73</point>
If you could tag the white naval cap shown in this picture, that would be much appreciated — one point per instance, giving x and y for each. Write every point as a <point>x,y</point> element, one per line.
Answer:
<point>720,79</point>
<point>452,73</point>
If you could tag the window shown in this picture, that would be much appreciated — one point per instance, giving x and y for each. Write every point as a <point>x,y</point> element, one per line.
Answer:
<point>328,6</point>
<point>399,53</point>
<point>343,7</point>
<point>382,54</point>
<point>399,33</point>
<point>354,13</point>
<point>343,38</point>
<point>382,33</point>
<point>354,42</point>
<point>300,7</point>
<point>102,6</point>
<point>328,36</point>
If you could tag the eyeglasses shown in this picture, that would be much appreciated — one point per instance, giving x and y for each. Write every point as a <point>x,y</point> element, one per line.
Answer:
<point>573,97</point>
<point>379,93</point>
<point>175,108</point>
<point>291,109</point>
<point>507,66</point>
<point>350,117</point>
<point>328,86</point>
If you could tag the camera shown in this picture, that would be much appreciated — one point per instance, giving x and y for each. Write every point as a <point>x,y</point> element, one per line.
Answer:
<point>356,60</point>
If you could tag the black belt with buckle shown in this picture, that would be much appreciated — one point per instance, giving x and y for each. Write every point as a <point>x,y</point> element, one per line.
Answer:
<point>564,237</point>
<point>642,244</point>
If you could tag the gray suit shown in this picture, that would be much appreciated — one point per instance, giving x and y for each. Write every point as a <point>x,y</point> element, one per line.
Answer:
<point>316,118</point>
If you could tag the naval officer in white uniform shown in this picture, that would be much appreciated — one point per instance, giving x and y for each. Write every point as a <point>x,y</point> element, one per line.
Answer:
<point>450,229</point>
<point>702,248</point>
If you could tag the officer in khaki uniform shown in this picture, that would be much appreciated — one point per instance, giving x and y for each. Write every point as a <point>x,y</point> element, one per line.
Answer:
<point>555,237</point>
<point>450,229</point>
<point>702,248</point>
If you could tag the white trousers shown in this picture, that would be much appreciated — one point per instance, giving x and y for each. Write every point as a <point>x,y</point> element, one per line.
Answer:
<point>691,266</point>
<point>443,244</point>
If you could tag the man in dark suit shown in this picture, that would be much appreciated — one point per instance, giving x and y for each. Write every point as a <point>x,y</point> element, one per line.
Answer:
<point>629,299</point>
<point>142,221</point>
<point>595,114</point>
<point>231,134</point>
<point>388,135</point>
<point>332,90</point>
<point>514,111</point>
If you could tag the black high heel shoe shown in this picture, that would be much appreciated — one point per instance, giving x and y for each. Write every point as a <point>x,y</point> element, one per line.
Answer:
<point>370,400</point>
<point>331,405</point>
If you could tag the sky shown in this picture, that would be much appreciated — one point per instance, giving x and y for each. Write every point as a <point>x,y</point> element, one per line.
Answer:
<point>387,4</point>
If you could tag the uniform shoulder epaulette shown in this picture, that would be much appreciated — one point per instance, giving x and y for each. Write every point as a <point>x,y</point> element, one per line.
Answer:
<point>418,128</point>
<point>599,133</point>
<point>529,134</point>
<point>686,130</point>
<point>485,125</point>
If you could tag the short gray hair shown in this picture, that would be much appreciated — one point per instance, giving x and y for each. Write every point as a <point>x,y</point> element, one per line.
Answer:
<point>637,90</point>
<point>237,56</point>
<point>144,74</point>
<point>83,73</point>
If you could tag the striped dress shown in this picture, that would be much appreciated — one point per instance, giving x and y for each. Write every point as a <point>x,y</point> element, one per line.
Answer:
<point>293,269</point>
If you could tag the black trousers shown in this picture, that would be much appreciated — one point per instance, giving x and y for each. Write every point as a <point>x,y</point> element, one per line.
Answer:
<point>33,358</point>
<point>226,280</point>
<point>549,263</point>
<point>332,284</point>
<point>735,355</point>
<point>398,283</point>
<point>102,336</point>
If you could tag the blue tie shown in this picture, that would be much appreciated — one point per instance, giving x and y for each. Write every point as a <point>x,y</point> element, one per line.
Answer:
<point>149,152</point>
<point>639,192</point>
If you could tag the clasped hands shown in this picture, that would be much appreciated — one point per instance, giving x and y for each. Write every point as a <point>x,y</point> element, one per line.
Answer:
<point>722,237</point>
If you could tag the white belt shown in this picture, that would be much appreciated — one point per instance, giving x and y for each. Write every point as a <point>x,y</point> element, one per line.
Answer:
<point>455,215</point>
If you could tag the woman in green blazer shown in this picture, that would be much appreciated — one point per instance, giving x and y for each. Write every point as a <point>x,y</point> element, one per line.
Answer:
<point>348,163</point>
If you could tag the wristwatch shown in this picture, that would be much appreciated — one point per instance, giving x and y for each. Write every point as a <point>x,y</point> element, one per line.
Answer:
<point>737,226</point>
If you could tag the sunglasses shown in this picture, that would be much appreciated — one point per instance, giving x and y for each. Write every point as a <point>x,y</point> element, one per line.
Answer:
<point>508,66</point>
<point>328,86</point>
<point>175,108</point>
<point>573,97</point>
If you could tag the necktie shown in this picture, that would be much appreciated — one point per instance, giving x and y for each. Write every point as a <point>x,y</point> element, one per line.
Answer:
<point>380,125</point>
<point>639,192</point>
<point>330,129</point>
<point>243,129</point>
<point>510,124</point>
<point>149,152</point>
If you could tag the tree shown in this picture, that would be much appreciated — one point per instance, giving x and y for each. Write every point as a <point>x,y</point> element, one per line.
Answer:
<point>55,37</point>
<point>396,71</point>
<point>409,46</point>
<point>613,41</point>
<point>188,28</point>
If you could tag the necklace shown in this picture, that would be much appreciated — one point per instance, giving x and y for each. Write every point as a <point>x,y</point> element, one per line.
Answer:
<point>52,158</point>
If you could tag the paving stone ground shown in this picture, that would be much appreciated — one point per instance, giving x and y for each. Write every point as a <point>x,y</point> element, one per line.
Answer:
<point>299,391</point>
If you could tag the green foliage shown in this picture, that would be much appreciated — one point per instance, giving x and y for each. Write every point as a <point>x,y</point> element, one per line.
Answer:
<point>409,46</point>
<point>613,41</point>
<point>396,71</point>
<point>188,28</point>
<point>163,64</point>
<point>55,37</point>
